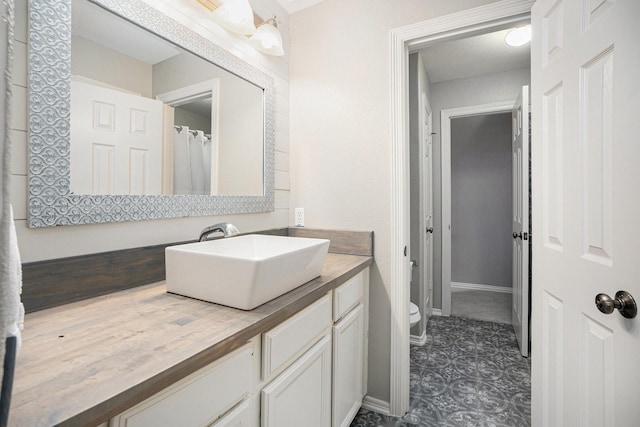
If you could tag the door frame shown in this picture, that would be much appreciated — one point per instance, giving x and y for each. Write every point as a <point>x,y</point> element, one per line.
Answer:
<point>445,197</point>
<point>494,16</point>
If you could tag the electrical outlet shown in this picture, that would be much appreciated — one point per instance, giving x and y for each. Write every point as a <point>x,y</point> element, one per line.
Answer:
<point>298,219</point>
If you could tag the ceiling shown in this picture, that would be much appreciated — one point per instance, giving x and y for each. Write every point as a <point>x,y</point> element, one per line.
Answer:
<point>473,56</point>
<point>458,59</point>
<point>446,60</point>
<point>94,23</point>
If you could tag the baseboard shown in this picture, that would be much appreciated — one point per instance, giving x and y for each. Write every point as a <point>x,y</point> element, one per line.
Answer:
<point>418,340</point>
<point>436,312</point>
<point>376,405</point>
<point>478,287</point>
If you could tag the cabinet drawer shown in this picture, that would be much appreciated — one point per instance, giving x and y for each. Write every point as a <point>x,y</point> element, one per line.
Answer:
<point>240,416</point>
<point>348,296</point>
<point>199,399</point>
<point>284,343</point>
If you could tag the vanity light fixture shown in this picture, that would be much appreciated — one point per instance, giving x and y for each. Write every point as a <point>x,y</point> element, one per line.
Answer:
<point>267,38</point>
<point>518,36</point>
<point>235,16</point>
<point>238,17</point>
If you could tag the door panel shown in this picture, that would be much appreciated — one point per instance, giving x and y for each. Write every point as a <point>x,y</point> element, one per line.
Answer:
<point>116,141</point>
<point>427,213</point>
<point>520,179</point>
<point>585,63</point>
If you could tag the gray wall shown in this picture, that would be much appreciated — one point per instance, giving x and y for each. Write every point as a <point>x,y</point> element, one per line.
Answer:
<point>193,120</point>
<point>486,89</point>
<point>481,200</point>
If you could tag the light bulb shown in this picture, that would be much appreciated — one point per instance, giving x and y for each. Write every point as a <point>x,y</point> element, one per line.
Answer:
<point>518,36</point>
<point>235,16</point>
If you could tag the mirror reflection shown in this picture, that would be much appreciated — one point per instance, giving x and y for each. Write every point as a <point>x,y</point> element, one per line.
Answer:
<point>148,117</point>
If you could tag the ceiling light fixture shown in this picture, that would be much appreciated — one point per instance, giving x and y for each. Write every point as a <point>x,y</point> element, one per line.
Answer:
<point>267,38</point>
<point>518,36</point>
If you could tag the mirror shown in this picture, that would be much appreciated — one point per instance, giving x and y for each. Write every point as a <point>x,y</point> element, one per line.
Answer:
<point>168,126</point>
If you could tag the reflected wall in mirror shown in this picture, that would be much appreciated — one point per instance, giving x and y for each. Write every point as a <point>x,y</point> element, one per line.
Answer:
<point>133,116</point>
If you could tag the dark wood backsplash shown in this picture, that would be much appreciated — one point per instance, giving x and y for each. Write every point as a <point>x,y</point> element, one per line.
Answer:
<point>55,282</point>
<point>342,241</point>
<point>51,283</point>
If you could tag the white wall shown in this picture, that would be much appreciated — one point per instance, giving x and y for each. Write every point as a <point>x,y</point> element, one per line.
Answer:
<point>490,88</point>
<point>340,125</point>
<point>90,59</point>
<point>57,242</point>
<point>4,62</point>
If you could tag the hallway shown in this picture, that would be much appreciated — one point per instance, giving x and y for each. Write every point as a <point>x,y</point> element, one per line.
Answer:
<point>482,305</point>
<point>469,373</point>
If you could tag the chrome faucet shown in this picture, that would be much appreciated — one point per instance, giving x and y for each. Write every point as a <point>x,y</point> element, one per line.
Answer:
<point>224,227</point>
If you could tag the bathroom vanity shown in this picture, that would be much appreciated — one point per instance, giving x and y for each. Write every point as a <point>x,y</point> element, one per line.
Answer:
<point>145,357</point>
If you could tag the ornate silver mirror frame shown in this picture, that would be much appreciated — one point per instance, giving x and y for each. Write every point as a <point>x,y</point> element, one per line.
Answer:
<point>50,200</point>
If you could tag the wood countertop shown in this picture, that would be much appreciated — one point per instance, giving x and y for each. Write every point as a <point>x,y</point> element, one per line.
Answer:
<point>83,363</point>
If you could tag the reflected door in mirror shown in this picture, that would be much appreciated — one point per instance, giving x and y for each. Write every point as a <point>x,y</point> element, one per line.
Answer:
<point>116,141</point>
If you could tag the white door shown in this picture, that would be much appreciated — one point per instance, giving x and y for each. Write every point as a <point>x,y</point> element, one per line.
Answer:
<point>585,68</point>
<point>427,205</point>
<point>116,141</point>
<point>520,179</point>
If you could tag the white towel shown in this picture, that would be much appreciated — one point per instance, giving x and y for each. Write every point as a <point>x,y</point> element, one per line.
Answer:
<point>15,308</point>
<point>181,163</point>
<point>196,148</point>
<point>206,164</point>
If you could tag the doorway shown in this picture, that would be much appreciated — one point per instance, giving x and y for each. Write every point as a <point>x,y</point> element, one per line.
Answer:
<point>421,204</point>
<point>498,15</point>
<point>481,178</point>
<point>484,278</point>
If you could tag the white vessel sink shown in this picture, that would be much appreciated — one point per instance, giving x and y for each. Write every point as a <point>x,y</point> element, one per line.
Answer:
<point>245,271</point>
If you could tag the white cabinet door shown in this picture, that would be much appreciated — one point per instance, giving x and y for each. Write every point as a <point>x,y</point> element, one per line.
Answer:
<point>301,395</point>
<point>348,367</point>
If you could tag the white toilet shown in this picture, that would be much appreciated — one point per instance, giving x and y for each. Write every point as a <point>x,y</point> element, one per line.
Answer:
<point>414,314</point>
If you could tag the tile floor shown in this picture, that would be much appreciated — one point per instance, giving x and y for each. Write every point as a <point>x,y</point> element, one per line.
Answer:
<point>469,373</point>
